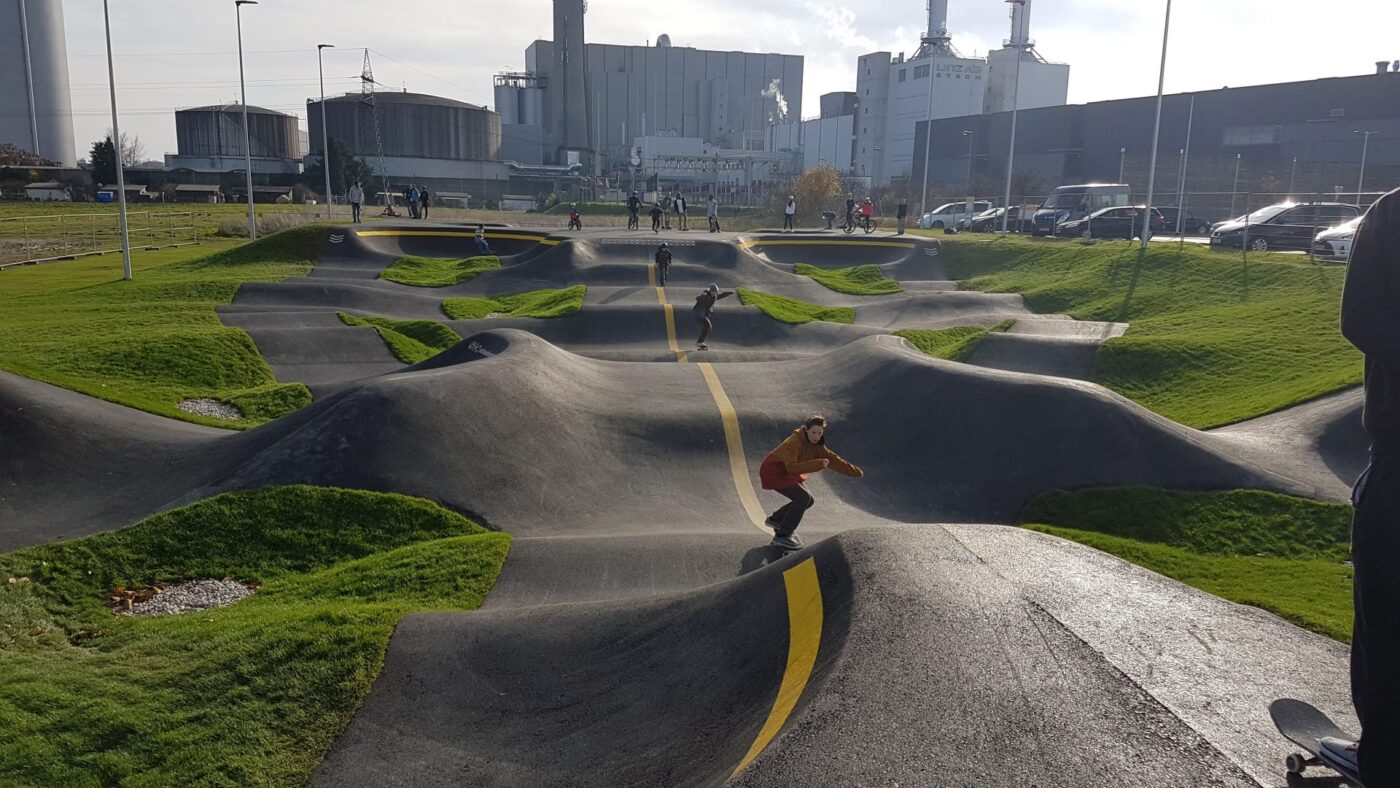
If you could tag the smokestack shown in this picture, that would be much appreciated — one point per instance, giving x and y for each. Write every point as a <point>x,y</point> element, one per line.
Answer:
<point>1382,66</point>
<point>937,20</point>
<point>1021,24</point>
<point>570,92</point>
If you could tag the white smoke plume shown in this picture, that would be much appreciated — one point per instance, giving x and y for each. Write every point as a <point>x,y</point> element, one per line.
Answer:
<point>775,92</point>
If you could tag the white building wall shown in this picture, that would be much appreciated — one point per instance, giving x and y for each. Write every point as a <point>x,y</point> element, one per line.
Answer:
<point>958,85</point>
<point>872,112</point>
<point>1041,84</point>
<point>823,141</point>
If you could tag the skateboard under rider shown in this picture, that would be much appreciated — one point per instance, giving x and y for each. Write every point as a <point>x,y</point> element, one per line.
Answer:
<point>1306,726</point>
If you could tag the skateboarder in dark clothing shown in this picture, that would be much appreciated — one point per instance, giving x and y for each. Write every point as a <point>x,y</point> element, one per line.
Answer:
<point>1371,322</point>
<point>656,218</point>
<point>704,305</point>
<point>663,263</point>
<point>785,471</point>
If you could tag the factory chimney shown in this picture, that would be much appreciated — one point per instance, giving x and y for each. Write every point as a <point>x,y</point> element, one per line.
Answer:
<point>569,89</point>
<point>1382,66</point>
<point>935,40</point>
<point>1021,25</point>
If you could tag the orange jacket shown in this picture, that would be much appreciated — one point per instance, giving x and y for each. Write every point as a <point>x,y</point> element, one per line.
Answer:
<point>796,457</point>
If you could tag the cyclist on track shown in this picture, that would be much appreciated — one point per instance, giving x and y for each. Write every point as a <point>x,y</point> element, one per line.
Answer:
<point>634,206</point>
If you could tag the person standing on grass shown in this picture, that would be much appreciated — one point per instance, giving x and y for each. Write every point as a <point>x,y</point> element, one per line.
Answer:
<point>1371,322</point>
<point>785,471</point>
<point>663,263</point>
<point>357,199</point>
<point>788,213</point>
<point>704,306</point>
<point>423,202</point>
<point>680,211</point>
<point>713,213</point>
<point>901,213</point>
<point>482,248</point>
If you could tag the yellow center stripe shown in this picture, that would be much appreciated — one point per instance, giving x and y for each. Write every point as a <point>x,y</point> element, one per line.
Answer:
<point>755,243</point>
<point>670,316</point>
<point>452,234</point>
<point>804,597</point>
<point>738,466</point>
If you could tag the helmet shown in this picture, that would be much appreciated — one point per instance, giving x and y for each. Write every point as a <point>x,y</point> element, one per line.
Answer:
<point>663,245</point>
<point>573,205</point>
<point>713,288</point>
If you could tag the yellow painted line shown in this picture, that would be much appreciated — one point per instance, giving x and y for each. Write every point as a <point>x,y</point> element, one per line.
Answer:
<point>804,598</point>
<point>738,466</point>
<point>670,316</point>
<point>894,244</point>
<point>451,234</point>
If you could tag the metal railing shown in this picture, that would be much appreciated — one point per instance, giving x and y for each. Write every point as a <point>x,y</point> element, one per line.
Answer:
<point>28,240</point>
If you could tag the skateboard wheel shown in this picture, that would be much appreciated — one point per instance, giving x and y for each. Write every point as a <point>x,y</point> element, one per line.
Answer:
<point>1296,764</point>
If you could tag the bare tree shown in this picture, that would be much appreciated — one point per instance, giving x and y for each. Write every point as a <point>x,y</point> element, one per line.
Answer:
<point>132,148</point>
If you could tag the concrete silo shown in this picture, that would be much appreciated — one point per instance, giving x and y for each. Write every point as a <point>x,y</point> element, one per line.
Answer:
<point>37,112</point>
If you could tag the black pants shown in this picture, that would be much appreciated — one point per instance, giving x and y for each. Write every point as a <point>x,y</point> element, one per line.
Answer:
<point>787,221</point>
<point>661,273</point>
<point>655,223</point>
<point>1375,648</point>
<point>423,210</point>
<point>705,327</point>
<point>355,211</point>
<point>790,515</point>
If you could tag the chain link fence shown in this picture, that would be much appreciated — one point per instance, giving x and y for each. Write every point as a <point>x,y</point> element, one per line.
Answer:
<point>27,240</point>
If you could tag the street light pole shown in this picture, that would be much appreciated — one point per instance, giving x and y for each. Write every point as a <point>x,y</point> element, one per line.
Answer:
<point>928,130</point>
<point>1156,133</point>
<point>968,134</point>
<point>1015,104</point>
<point>1122,159</point>
<point>325,137</point>
<point>247,136</point>
<point>1235,189</point>
<point>1185,162</point>
<point>1292,177</point>
<point>1365,143</point>
<point>117,149</point>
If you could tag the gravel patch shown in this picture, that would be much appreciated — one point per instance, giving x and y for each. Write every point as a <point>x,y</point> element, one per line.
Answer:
<point>180,598</point>
<point>211,408</point>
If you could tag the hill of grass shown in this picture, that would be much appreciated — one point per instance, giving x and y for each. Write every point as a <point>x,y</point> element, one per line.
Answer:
<point>411,341</point>
<point>437,271</point>
<point>155,341</point>
<point>953,344</point>
<point>791,310</point>
<point>534,303</point>
<point>1212,340</point>
<point>1283,554</point>
<point>250,694</point>
<point>857,280</point>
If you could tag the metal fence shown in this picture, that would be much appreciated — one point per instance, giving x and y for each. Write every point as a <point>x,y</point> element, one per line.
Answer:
<point>27,240</point>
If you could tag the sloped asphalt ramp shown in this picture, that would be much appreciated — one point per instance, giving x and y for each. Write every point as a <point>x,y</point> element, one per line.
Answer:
<point>642,632</point>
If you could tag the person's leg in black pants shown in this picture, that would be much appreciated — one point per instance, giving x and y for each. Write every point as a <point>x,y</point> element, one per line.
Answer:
<point>705,327</point>
<point>1375,649</point>
<point>790,515</point>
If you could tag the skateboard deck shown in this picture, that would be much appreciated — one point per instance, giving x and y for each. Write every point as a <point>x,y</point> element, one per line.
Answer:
<point>1305,726</point>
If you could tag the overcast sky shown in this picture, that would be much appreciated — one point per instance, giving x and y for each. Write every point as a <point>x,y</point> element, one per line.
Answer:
<point>171,55</point>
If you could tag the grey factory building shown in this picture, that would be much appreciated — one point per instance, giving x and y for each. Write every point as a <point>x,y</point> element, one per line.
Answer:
<point>36,108</point>
<point>210,139</point>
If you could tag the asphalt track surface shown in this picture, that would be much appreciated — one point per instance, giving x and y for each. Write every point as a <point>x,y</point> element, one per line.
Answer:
<point>643,633</point>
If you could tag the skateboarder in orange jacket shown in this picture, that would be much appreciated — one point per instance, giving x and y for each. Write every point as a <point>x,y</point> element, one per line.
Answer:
<point>1371,322</point>
<point>785,471</point>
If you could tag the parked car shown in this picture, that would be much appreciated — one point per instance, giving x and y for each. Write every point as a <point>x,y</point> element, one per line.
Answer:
<point>1285,225</point>
<point>953,214</point>
<point>990,221</point>
<point>1335,242</point>
<point>1190,223</point>
<point>1119,222</point>
<point>1075,202</point>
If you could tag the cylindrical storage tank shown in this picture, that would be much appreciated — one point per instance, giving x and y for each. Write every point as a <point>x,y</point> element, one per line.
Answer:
<point>508,103</point>
<point>532,106</point>
<point>36,107</point>
<point>218,131</point>
<point>411,125</point>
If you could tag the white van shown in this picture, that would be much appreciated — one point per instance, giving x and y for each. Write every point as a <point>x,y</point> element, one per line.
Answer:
<point>1075,202</point>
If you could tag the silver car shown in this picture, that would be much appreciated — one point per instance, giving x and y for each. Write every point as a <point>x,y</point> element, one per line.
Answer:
<point>1335,243</point>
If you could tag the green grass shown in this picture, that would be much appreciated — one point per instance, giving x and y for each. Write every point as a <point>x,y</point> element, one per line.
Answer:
<point>1212,341</point>
<point>857,280</point>
<point>791,310</point>
<point>953,344</point>
<point>437,271</point>
<point>1275,552</point>
<point>250,694</point>
<point>154,341</point>
<point>411,341</point>
<point>534,303</point>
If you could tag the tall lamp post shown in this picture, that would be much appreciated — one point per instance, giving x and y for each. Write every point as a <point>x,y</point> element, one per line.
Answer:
<point>1156,132</point>
<point>325,145</point>
<point>1122,160</point>
<point>1365,143</point>
<point>117,149</point>
<point>1015,103</point>
<point>968,134</point>
<point>1235,187</point>
<point>247,136</point>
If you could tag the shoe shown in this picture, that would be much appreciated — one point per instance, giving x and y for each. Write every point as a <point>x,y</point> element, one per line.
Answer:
<point>701,346</point>
<point>771,522</point>
<point>788,542</point>
<point>1340,752</point>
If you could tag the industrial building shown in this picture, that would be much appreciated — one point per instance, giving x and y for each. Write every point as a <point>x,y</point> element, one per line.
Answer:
<point>1288,138</point>
<point>37,113</point>
<point>446,145</point>
<point>895,93</point>
<point>828,141</point>
<point>575,98</point>
<point>210,139</point>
